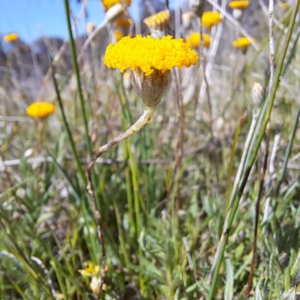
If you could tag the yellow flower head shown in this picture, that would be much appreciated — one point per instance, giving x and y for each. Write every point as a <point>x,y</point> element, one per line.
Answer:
<point>40,109</point>
<point>242,4</point>
<point>147,54</point>
<point>11,37</point>
<point>193,40</point>
<point>90,270</point>
<point>109,3</point>
<point>123,22</point>
<point>210,19</point>
<point>242,43</point>
<point>159,20</point>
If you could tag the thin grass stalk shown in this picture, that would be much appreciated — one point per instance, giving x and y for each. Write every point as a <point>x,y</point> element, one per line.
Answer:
<point>67,128</point>
<point>149,168</point>
<point>287,153</point>
<point>16,286</point>
<point>131,196</point>
<point>252,152</point>
<point>257,205</point>
<point>232,156</point>
<point>77,73</point>
<point>121,236</point>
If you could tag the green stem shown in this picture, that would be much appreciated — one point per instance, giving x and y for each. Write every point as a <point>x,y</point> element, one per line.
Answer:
<point>67,128</point>
<point>76,69</point>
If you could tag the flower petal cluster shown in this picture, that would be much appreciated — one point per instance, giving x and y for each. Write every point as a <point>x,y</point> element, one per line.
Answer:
<point>210,19</point>
<point>109,3</point>
<point>11,37</point>
<point>242,4</point>
<point>241,42</point>
<point>90,270</point>
<point>193,40</point>
<point>40,109</point>
<point>148,54</point>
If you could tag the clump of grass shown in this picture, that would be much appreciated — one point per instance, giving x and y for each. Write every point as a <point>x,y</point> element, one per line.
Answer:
<point>199,204</point>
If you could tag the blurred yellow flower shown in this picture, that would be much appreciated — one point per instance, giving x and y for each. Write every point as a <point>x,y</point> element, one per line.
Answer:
<point>109,3</point>
<point>242,42</point>
<point>147,54</point>
<point>193,40</point>
<point>123,22</point>
<point>238,4</point>
<point>159,20</point>
<point>90,270</point>
<point>11,37</point>
<point>285,5</point>
<point>210,19</point>
<point>40,109</point>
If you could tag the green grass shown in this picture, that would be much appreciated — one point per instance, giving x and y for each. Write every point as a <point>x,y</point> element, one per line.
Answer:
<point>173,227</point>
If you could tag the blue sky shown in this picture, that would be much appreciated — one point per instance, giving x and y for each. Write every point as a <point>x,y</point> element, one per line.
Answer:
<point>33,18</point>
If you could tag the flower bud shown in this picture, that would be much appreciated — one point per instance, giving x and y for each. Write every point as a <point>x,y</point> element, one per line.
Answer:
<point>150,88</point>
<point>257,94</point>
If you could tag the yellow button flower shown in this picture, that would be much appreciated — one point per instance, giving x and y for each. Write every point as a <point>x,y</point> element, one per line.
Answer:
<point>11,37</point>
<point>193,40</point>
<point>109,3</point>
<point>241,42</point>
<point>90,270</point>
<point>40,109</point>
<point>148,54</point>
<point>238,4</point>
<point>210,19</point>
